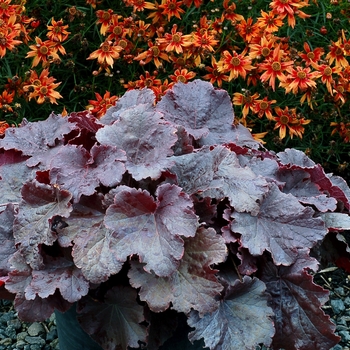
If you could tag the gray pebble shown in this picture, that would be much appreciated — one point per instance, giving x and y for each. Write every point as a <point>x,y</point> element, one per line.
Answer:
<point>35,341</point>
<point>35,329</point>
<point>337,347</point>
<point>345,336</point>
<point>337,306</point>
<point>347,301</point>
<point>340,291</point>
<point>21,335</point>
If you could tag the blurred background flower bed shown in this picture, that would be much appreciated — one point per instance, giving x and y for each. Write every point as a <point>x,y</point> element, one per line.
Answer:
<point>285,63</point>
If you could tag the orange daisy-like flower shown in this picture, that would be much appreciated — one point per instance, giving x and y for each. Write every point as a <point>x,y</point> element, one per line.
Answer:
<point>188,3</point>
<point>214,76</point>
<point>42,52</point>
<point>182,75</point>
<point>57,31</point>
<point>3,127</point>
<point>343,129</point>
<point>235,64</point>
<point>42,88</point>
<point>300,79</point>
<point>288,120</point>
<point>7,41</point>
<point>175,41</point>
<point>104,17</point>
<point>148,81</point>
<point>171,8</point>
<point>269,22</point>
<point>93,3</point>
<point>336,53</point>
<point>340,92</point>
<point>247,101</point>
<point>99,106</point>
<point>154,53</point>
<point>116,29</point>
<point>262,50</point>
<point>263,107</point>
<point>7,9</point>
<point>326,74</point>
<point>157,13</point>
<point>275,67</point>
<point>311,57</point>
<point>289,8</point>
<point>230,12</point>
<point>6,98</point>
<point>106,54</point>
<point>204,41</point>
<point>346,44</point>
<point>247,30</point>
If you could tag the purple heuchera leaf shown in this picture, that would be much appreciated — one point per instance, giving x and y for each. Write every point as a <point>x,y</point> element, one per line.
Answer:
<point>291,156</point>
<point>299,320</point>
<point>281,227</point>
<point>36,139</point>
<point>116,322</point>
<point>80,172</point>
<point>32,225</point>
<point>139,221</point>
<point>193,285</point>
<point>146,139</point>
<point>242,321</point>
<point>216,173</point>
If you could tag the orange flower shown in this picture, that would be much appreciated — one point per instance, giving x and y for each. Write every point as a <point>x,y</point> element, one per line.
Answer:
<point>263,107</point>
<point>182,75</point>
<point>57,31</point>
<point>289,8</point>
<point>148,81</point>
<point>247,30</point>
<point>311,57</point>
<point>274,67</point>
<point>99,106</point>
<point>157,14</point>
<point>247,101</point>
<point>7,9</point>
<point>153,53</point>
<point>42,51</point>
<point>309,96</point>
<point>197,3</point>
<point>326,73</point>
<point>269,22</point>
<point>343,129</point>
<point>116,29</point>
<point>300,79</point>
<point>104,17</point>
<point>346,44</point>
<point>93,3</point>
<point>340,89</point>
<point>235,64</point>
<point>3,127</point>
<point>42,87</point>
<point>106,54</point>
<point>5,100</point>
<point>174,41</point>
<point>214,75</point>
<point>141,5</point>
<point>230,12</point>
<point>262,50</point>
<point>172,8</point>
<point>204,41</point>
<point>7,41</point>
<point>336,53</point>
<point>287,120</point>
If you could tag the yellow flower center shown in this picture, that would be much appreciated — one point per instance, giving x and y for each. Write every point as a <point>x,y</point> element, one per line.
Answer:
<point>338,51</point>
<point>105,47</point>
<point>44,50</point>
<point>172,6</point>
<point>327,71</point>
<point>141,32</point>
<point>301,75</point>
<point>265,51</point>
<point>57,30</point>
<point>4,6</point>
<point>72,11</point>
<point>263,105</point>
<point>149,82</point>
<point>117,30</point>
<point>247,99</point>
<point>284,119</point>
<point>106,16</point>
<point>44,90</point>
<point>181,61</point>
<point>181,78</point>
<point>284,1</point>
<point>276,66</point>
<point>37,82</point>
<point>310,55</point>
<point>340,89</point>
<point>235,61</point>
<point>155,51</point>
<point>123,44</point>
<point>176,38</point>
<point>347,46</point>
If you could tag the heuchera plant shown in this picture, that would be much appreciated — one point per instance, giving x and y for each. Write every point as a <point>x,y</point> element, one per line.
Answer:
<point>159,213</point>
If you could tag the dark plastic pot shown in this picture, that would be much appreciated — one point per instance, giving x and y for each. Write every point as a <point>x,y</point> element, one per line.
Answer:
<point>72,337</point>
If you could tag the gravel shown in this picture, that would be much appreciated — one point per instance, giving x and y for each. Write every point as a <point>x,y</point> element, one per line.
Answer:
<point>15,334</point>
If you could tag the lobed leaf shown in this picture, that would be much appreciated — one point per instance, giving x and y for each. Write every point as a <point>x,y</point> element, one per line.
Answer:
<point>138,221</point>
<point>231,326</point>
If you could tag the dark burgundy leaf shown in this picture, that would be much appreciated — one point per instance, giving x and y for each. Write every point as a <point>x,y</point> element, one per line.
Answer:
<point>184,143</point>
<point>35,139</point>
<point>32,225</point>
<point>216,173</point>
<point>242,321</point>
<point>7,247</point>
<point>130,99</point>
<point>193,285</point>
<point>146,139</point>
<point>75,169</point>
<point>281,227</point>
<point>139,221</point>
<point>116,322</point>
<point>296,300</point>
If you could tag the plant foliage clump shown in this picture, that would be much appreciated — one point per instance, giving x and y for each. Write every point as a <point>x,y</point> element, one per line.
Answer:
<point>164,211</point>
